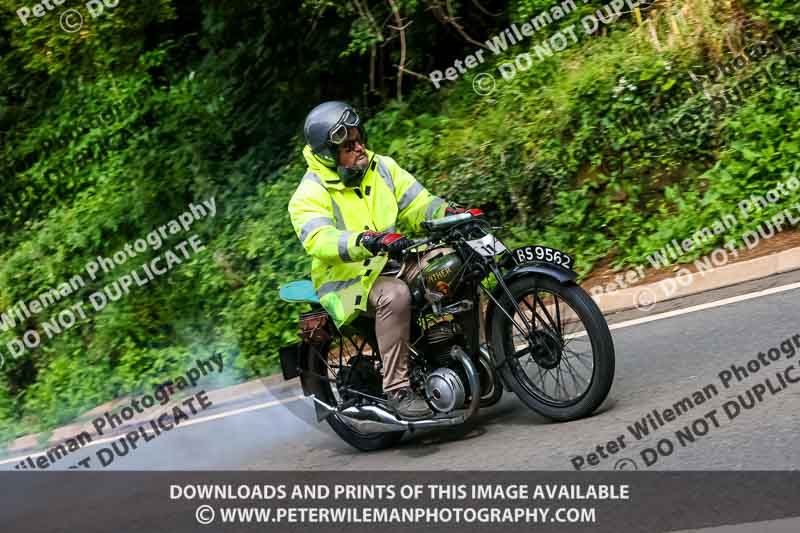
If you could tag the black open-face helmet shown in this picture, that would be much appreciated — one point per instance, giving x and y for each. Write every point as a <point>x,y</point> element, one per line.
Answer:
<point>327,126</point>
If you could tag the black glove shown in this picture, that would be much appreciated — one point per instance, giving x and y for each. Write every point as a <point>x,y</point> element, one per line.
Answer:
<point>394,244</point>
<point>377,242</point>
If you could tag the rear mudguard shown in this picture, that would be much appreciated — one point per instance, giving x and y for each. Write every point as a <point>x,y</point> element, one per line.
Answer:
<point>295,363</point>
<point>556,272</point>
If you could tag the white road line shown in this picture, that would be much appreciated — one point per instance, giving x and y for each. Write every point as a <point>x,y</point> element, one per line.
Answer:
<point>687,310</point>
<point>620,325</point>
<point>701,307</point>
<point>179,426</point>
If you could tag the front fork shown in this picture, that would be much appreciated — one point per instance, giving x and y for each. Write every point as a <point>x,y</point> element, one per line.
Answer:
<point>478,347</point>
<point>474,324</point>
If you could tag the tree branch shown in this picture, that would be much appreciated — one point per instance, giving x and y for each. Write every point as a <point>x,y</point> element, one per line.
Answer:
<point>484,10</point>
<point>415,74</point>
<point>364,12</point>
<point>401,68</point>
<point>448,18</point>
<point>372,69</point>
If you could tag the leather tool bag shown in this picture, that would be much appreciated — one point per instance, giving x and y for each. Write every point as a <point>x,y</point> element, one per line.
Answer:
<point>314,327</point>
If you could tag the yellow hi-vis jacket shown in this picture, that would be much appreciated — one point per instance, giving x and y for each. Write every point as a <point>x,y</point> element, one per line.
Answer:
<point>328,216</point>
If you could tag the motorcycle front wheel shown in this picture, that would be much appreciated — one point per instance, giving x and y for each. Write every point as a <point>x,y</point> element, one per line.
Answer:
<point>553,347</point>
<point>350,361</point>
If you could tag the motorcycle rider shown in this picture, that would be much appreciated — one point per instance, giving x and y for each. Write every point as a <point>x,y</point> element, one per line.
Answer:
<point>345,212</point>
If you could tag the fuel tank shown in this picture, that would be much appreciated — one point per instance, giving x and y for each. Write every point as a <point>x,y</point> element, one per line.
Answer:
<point>439,270</point>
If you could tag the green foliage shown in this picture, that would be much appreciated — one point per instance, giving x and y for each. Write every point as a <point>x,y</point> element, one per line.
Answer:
<point>43,46</point>
<point>783,14</point>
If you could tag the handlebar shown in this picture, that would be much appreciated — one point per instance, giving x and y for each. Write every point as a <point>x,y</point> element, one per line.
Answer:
<point>441,224</point>
<point>445,222</point>
<point>417,242</point>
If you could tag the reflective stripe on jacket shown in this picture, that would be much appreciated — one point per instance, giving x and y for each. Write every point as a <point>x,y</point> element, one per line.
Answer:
<point>328,216</point>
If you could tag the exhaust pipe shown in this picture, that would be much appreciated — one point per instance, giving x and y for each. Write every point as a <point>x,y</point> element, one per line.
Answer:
<point>374,419</point>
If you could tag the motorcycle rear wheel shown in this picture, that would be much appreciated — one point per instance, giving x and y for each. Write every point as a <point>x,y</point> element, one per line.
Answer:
<point>337,356</point>
<point>543,348</point>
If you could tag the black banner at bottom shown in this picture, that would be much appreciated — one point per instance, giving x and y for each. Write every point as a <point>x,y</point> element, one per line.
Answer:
<point>392,501</point>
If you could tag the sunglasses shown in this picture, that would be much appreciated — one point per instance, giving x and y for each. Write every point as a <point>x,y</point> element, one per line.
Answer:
<point>350,144</point>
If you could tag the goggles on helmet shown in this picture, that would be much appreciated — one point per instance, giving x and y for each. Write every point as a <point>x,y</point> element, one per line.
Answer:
<point>338,133</point>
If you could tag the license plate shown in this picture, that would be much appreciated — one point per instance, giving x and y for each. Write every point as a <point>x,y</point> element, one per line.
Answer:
<point>529,254</point>
<point>488,246</point>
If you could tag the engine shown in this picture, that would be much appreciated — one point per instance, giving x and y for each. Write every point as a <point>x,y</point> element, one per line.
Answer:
<point>445,386</point>
<point>438,341</point>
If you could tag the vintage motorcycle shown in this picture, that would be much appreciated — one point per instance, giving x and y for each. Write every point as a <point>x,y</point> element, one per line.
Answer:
<point>534,331</point>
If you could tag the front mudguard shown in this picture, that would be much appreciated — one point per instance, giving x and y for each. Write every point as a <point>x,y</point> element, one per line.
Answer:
<point>556,272</point>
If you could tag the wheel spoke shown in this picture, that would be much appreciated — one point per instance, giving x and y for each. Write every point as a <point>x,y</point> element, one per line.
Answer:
<point>547,313</point>
<point>555,390</point>
<point>558,319</point>
<point>543,324</point>
<point>523,352</point>
<point>559,383</point>
<point>571,370</point>
<point>541,374</point>
<point>578,358</point>
<point>576,354</point>
<point>573,339</point>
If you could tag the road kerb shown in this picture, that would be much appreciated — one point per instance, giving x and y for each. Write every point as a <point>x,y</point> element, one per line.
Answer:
<point>689,284</point>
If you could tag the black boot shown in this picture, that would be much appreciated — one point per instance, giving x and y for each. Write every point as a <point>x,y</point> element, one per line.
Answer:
<point>407,404</point>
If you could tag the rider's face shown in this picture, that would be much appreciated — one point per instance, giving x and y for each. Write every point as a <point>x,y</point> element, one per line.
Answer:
<point>352,153</point>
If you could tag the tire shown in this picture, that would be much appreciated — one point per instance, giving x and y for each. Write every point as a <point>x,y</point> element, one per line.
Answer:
<point>362,441</point>
<point>580,306</point>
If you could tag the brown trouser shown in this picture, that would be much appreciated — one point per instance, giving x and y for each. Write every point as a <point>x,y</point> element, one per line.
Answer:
<point>389,303</point>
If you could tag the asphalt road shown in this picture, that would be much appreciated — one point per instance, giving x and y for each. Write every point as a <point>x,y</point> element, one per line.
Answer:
<point>658,364</point>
